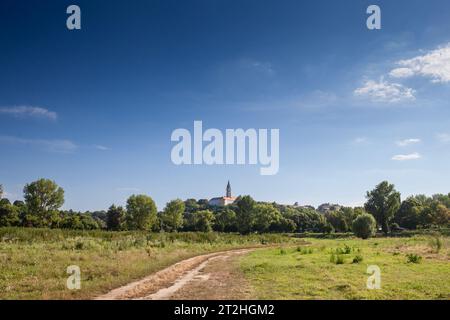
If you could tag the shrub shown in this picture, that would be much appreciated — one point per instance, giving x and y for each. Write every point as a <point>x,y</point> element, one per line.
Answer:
<point>413,258</point>
<point>436,244</point>
<point>357,259</point>
<point>345,250</point>
<point>339,259</point>
<point>336,258</point>
<point>364,226</point>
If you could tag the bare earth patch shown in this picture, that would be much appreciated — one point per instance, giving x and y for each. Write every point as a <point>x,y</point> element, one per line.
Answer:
<point>210,276</point>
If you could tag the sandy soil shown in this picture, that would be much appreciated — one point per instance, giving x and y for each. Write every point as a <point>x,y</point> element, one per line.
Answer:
<point>210,276</point>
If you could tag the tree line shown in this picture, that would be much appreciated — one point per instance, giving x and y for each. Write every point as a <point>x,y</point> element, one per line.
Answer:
<point>383,209</point>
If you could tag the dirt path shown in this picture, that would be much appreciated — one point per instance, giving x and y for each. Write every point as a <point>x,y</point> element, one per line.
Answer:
<point>209,276</point>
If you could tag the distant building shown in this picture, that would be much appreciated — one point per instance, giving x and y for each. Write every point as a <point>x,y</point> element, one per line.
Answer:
<point>297,205</point>
<point>223,201</point>
<point>327,207</point>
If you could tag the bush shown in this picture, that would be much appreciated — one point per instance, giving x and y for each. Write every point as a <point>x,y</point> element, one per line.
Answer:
<point>336,258</point>
<point>339,259</point>
<point>364,226</point>
<point>357,259</point>
<point>346,250</point>
<point>436,244</point>
<point>413,258</point>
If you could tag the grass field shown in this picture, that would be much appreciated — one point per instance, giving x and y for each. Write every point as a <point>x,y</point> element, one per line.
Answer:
<point>33,262</point>
<point>411,268</point>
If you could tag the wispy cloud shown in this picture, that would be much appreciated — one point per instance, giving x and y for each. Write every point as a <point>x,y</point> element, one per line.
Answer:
<point>360,140</point>
<point>401,73</point>
<point>435,65</point>
<point>29,111</point>
<point>101,148</point>
<point>405,157</point>
<point>60,146</point>
<point>407,142</point>
<point>384,91</point>
<point>9,195</point>
<point>259,66</point>
<point>443,137</point>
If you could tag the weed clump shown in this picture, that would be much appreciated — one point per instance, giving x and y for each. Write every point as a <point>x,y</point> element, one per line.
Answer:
<point>413,258</point>
<point>304,250</point>
<point>337,258</point>
<point>357,259</point>
<point>436,244</point>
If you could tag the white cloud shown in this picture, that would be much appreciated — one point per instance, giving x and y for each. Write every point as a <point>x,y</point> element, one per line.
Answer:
<point>101,148</point>
<point>407,142</point>
<point>401,73</point>
<point>384,91</point>
<point>9,195</point>
<point>405,157</point>
<point>29,111</point>
<point>360,140</point>
<point>60,146</point>
<point>435,65</point>
<point>443,137</point>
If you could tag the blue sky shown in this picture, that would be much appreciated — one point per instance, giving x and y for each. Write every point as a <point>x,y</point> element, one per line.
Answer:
<point>94,109</point>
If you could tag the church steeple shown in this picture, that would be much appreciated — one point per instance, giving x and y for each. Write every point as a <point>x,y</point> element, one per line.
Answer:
<point>228,189</point>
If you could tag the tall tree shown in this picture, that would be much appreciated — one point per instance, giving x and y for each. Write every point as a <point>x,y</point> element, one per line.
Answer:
<point>9,215</point>
<point>266,215</point>
<point>172,216</point>
<point>225,220</point>
<point>408,216</point>
<point>245,214</point>
<point>43,199</point>
<point>383,202</point>
<point>115,218</point>
<point>141,212</point>
<point>203,220</point>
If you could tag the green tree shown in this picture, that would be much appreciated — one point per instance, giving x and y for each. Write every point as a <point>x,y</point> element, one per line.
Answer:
<point>141,212</point>
<point>191,205</point>
<point>338,219</point>
<point>203,220</point>
<point>265,216</point>
<point>9,215</point>
<point>43,198</point>
<point>284,225</point>
<point>383,202</point>
<point>225,220</point>
<point>245,214</point>
<point>115,218</point>
<point>408,216</point>
<point>364,226</point>
<point>1,191</point>
<point>172,216</point>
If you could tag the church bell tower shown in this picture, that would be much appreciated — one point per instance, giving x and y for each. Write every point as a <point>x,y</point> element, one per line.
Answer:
<point>228,190</point>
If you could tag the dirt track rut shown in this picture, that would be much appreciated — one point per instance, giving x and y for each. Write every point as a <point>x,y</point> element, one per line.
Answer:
<point>209,276</point>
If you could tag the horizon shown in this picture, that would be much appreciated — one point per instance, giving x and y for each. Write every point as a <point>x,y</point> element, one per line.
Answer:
<point>160,207</point>
<point>94,109</point>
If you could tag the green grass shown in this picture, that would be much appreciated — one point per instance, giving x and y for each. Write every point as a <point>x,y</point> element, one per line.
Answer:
<point>33,262</point>
<point>336,269</point>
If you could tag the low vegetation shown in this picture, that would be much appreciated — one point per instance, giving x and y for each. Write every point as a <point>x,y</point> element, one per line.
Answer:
<point>33,261</point>
<point>38,241</point>
<point>337,269</point>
